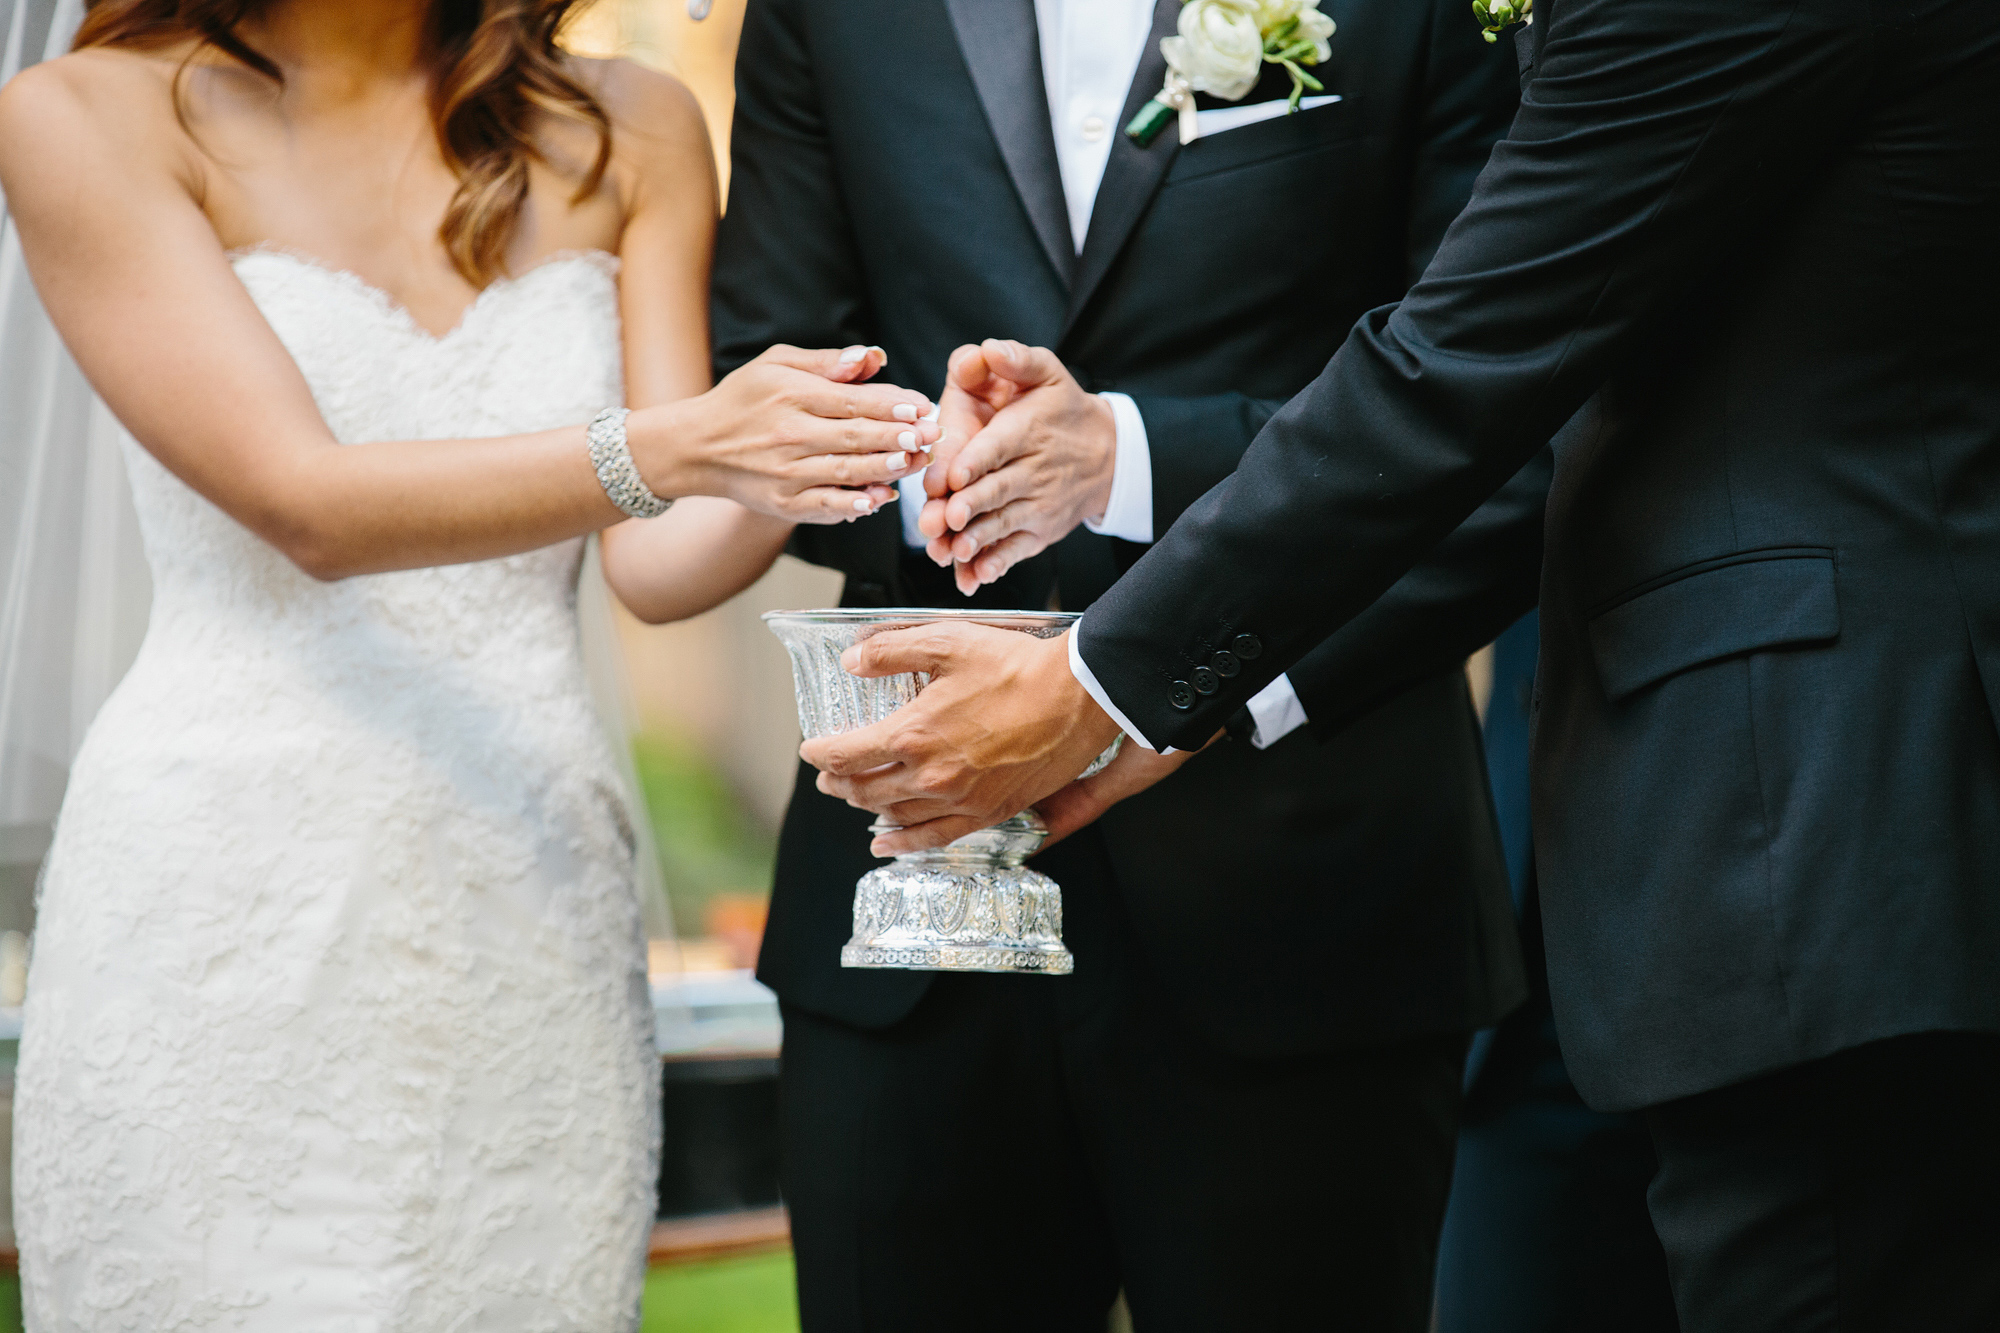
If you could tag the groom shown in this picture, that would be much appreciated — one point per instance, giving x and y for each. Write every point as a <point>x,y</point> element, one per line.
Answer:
<point>1757,237</point>
<point>1241,1107</point>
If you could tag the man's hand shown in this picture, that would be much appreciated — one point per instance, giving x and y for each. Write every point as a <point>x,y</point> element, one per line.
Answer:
<point>1029,456</point>
<point>1135,769</point>
<point>1001,725</point>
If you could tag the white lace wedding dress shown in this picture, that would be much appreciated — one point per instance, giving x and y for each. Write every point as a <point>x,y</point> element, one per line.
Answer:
<point>337,1018</point>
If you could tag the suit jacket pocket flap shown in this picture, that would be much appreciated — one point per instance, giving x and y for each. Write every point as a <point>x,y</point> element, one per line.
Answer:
<point>1280,136</point>
<point>1719,608</point>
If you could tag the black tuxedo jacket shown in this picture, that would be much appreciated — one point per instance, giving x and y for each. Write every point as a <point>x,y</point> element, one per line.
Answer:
<point>894,181</point>
<point>1753,241</point>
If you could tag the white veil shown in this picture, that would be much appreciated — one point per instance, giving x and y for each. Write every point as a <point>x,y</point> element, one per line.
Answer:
<point>74,587</point>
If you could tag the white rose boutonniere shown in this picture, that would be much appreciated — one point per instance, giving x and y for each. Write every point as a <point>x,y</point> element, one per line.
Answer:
<point>1220,49</point>
<point>1222,46</point>
<point>1496,16</point>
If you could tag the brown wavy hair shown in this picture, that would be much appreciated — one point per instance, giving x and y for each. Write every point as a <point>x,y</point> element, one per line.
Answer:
<point>496,71</point>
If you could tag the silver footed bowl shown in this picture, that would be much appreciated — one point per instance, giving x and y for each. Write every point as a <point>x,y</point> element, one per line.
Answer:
<point>970,906</point>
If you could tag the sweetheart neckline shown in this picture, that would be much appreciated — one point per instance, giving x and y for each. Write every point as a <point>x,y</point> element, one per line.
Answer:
<point>598,260</point>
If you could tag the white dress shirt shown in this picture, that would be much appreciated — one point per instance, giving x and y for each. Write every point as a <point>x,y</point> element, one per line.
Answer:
<point>1090,55</point>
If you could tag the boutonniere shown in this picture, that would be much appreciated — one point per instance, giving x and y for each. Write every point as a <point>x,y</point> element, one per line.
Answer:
<point>1496,16</point>
<point>1222,48</point>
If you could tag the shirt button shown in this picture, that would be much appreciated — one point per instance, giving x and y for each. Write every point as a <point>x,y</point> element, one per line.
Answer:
<point>1181,695</point>
<point>1248,647</point>
<point>1205,681</point>
<point>1093,128</point>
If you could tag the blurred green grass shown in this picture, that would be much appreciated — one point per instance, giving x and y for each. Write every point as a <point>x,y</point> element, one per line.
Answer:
<point>710,842</point>
<point>748,1295</point>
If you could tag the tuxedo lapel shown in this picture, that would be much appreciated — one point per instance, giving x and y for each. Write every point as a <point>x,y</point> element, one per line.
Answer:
<point>1132,175</point>
<point>1003,50</point>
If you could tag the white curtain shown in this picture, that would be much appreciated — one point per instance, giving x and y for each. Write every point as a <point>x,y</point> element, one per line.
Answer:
<point>74,587</point>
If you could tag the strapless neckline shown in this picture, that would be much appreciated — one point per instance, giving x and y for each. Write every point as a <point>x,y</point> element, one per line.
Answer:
<point>600,261</point>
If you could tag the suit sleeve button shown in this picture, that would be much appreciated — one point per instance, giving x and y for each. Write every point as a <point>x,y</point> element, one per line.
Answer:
<point>1248,647</point>
<point>1181,695</point>
<point>1205,681</point>
<point>1225,664</point>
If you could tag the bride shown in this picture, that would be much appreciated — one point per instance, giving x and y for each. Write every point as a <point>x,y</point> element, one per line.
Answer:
<point>337,1017</point>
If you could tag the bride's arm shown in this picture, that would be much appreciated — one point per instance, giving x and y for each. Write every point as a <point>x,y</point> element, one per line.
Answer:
<point>703,551</point>
<point>105,198</point>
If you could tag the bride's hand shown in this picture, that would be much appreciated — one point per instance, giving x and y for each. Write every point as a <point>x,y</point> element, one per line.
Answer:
<point>791,434</point>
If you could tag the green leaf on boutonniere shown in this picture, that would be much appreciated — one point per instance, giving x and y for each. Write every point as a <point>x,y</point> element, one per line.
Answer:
<point>1146,126</point>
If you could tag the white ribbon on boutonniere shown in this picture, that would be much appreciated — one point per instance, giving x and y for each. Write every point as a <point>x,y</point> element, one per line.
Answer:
<point>1496,16</point>
<point>1221,48</point>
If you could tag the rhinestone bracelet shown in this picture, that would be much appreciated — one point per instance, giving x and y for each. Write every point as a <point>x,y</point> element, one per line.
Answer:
<point>616,472</point>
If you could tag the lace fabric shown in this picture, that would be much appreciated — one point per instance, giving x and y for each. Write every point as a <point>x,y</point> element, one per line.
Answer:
<point>338,1015</point>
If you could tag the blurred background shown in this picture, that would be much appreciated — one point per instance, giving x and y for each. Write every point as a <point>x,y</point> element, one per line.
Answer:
<point>716,751</point>
<point>720,738</point>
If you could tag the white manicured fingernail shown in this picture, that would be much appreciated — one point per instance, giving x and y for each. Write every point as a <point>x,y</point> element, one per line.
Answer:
<point>908,440</point>
<point>904,412</point>
<point>896,462</point>
<point>885,355</point>
<point>852,354</point>
<point>860,504</point>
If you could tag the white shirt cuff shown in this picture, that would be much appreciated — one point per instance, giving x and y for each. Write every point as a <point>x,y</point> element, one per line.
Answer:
<point>1277,712</point>
<point>911,488</point>
<point>1084,677</point>
<point>1128,515</point>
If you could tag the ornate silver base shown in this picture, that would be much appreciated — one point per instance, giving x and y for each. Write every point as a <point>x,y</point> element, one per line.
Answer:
<point>969,907</point>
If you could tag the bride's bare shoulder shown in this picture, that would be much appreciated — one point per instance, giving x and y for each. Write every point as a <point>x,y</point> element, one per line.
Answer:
<point>632,93</point>
<point>111,101</point>
<point>651,113</point>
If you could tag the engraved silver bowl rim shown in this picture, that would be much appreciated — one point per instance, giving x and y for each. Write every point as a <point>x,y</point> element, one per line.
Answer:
<point>887,617</point>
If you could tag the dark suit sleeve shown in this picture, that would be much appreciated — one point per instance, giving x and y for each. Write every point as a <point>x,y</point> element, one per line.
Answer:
<point>1484,577</point>
<point>1656,140</point>
<point>1469,91</point>
<point>787,269</point>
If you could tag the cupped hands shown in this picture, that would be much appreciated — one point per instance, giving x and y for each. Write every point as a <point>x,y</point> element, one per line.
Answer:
<point>1028,454</point>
